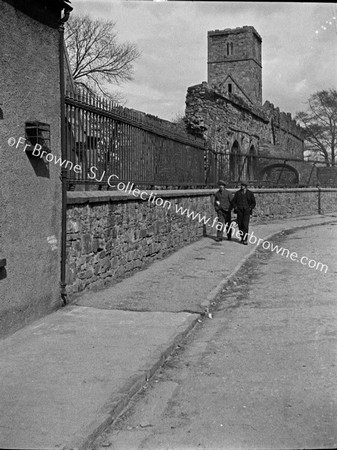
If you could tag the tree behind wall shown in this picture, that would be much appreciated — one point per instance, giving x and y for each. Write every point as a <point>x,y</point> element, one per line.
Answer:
<point>96,57</point>
<point>320,124</point>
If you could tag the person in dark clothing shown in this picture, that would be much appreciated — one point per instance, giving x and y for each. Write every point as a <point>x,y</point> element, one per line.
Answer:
<point>243,204</point>
<point>223,206</point>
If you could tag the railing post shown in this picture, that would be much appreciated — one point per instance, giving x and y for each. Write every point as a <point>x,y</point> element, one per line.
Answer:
<point>312,169</point>
<point>319,206</point>
<point>243,165</point>
<point>279,177</point>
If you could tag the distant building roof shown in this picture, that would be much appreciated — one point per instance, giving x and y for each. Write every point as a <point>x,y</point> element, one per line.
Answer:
<point>47,12</point>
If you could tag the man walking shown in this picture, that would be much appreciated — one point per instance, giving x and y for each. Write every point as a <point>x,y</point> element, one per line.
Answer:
<point>223,207</point>
<point>244,203</point>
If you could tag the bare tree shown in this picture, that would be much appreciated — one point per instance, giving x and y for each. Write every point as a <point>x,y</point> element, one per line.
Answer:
<point>320,124</point>
<point>96,57</point>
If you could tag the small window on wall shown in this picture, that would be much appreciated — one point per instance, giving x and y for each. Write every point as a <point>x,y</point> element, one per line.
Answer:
<point>38,133</point>
<point>1,114</point>
<point>230,88</point>
<point>230,48</point>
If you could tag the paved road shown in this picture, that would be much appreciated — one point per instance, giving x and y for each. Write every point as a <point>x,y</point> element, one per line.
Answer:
<point>261,374</point>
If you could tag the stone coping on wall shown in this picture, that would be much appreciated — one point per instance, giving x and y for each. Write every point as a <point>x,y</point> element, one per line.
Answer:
<point>285,190</point>
<point>74,197</point>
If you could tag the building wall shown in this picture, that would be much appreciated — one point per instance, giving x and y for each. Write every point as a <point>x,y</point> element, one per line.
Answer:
<point>30,206</point>
<point>228,112</point>
<point>221,119</point>
<point>285,136</point>
<point>243,64</point>
<point>110,235</point>
<point>327,176</point>
<point>248,82</point>
<point>227,122</point>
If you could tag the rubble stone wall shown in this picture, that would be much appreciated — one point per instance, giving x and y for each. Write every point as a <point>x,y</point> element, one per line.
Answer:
<point>223,118</point>
<point>111,235</point>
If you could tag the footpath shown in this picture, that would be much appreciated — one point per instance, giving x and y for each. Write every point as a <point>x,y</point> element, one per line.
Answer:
<point>67,376</point>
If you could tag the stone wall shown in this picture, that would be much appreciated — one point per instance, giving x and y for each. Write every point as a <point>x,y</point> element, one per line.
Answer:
<point>226,122</point>
<point>30,188</point>
<point>222,118</point>
<point>112,234</point>
<point>327,200</point>
<point>283,203</point>
<point>242,65</point>
<point>327,176</point>
<point>285,134</point>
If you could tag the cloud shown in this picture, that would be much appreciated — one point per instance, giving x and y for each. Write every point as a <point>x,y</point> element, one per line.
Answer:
<point>172,37</point>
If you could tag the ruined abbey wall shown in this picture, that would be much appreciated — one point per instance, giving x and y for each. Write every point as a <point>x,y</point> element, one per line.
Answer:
<point>222,118</point>
<point>227,121</point>
<point>227,111</point>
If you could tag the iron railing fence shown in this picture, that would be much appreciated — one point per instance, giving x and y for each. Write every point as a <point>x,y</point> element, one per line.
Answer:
<point>108,144</point>
<point>273,171</point>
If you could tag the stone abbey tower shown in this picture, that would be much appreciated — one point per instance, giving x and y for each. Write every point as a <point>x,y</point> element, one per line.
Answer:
<point>252,140</point>
<point>234,62</point>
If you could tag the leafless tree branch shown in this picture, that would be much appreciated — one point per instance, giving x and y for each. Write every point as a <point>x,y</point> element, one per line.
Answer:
<point>319,123</point>
<point>95,55</point>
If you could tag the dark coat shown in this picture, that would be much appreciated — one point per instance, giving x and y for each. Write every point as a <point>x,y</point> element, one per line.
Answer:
<point>244,201</point>
<point>225,200</point>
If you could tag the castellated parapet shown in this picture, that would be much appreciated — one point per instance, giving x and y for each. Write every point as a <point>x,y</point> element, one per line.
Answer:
<point>283,120</point>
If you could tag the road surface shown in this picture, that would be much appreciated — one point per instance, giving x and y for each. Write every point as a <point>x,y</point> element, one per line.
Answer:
<point>262,373</point>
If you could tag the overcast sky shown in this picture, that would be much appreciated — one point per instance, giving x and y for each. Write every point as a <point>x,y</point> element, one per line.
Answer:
<point>298,54</point>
